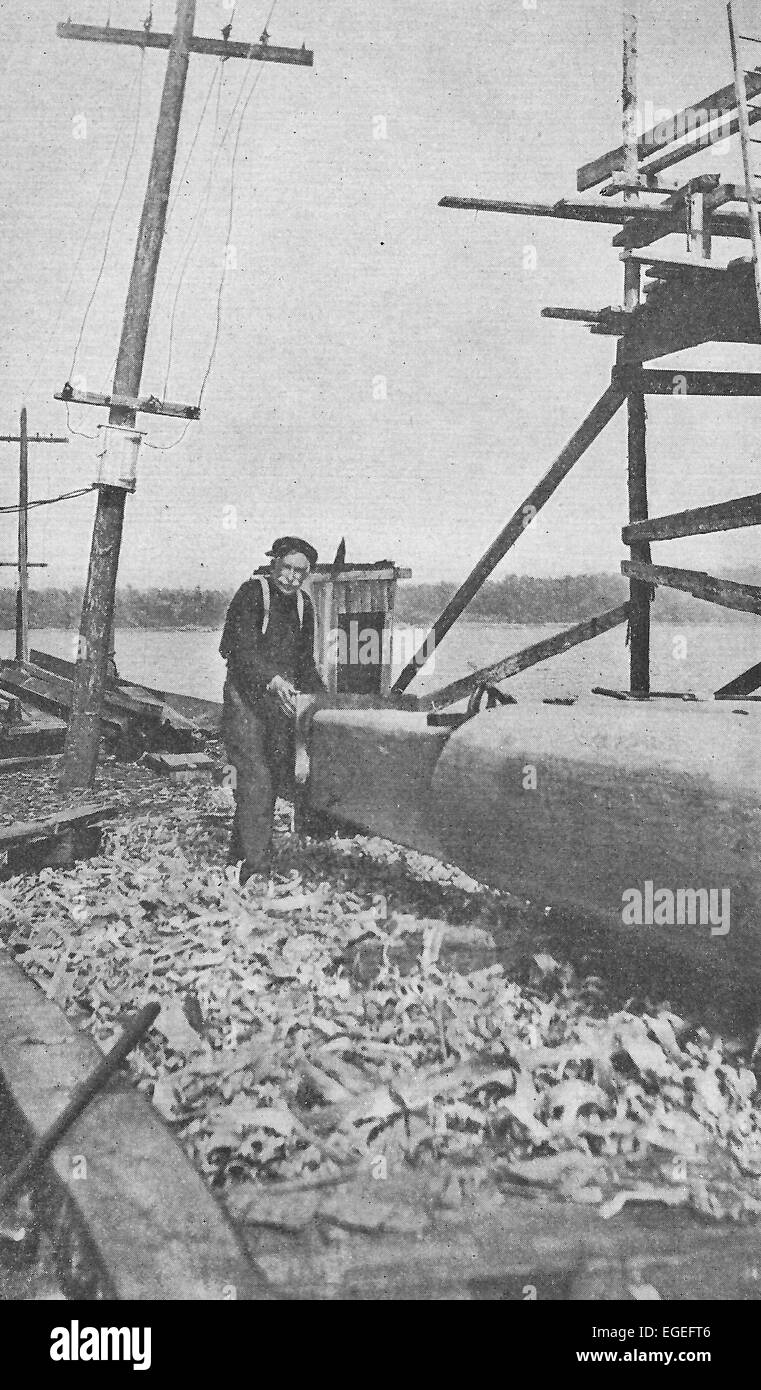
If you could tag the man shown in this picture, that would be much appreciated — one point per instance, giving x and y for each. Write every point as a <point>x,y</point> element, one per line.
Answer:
<point>268,643</point>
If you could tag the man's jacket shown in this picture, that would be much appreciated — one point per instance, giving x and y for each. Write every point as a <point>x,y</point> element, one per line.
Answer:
<point>286,648</point>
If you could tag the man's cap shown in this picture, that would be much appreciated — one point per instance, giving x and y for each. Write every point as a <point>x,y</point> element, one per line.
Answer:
<point>285,544</point>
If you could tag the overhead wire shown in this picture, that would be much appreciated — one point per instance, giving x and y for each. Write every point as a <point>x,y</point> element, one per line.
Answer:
<point>48,501</point>
<point>230,218</point>
<point>112,220</point>
<point>198,222</point>
<point>231,210</point>
<point>172,208</point>
<point>83,246</point>
<point>167,448</point>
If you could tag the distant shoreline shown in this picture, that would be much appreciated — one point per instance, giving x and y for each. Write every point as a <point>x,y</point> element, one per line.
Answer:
<point>516,600</point>
<point>709,620</point>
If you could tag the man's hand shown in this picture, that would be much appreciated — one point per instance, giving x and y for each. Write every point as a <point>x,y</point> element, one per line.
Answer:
<point>284,695</point>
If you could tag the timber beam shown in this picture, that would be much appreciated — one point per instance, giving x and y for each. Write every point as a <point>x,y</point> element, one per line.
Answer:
<point>530,656</point>
<point>589,430</point>
<point>694,125</point>
<point>742,686</point>
<point>679,384</point>
<point>700,521</point>
<point>216,48</point>
<point>663,220</point>
<point>743,598</point>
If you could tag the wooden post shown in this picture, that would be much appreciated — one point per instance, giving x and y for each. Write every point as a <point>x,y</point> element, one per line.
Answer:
<point>743,116</point>
<point>640,594</point>
<point>83,735</point>
<point>22,602</point>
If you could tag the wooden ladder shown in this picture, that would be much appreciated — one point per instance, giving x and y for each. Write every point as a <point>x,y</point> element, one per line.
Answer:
<point>746,140</point>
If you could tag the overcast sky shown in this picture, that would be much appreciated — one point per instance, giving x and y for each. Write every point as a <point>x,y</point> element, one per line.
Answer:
<point>344,274</point>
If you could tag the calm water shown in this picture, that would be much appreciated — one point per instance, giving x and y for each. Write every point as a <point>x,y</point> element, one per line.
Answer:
<point>699,658</point>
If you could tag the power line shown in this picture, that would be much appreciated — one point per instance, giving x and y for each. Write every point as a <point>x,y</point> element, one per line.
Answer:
<point>83,246</point>
<point>167,448</point>
<point>197,221</point>
<point>113,214</point>
<point>48,501</point>
<point>172,207</point>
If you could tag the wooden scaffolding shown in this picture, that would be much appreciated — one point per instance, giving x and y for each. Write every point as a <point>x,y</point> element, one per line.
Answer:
<point>671,301</point>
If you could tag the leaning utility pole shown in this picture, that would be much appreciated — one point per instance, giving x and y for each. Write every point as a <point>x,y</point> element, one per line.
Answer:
<point>22,563</point>
<point>83,735</point>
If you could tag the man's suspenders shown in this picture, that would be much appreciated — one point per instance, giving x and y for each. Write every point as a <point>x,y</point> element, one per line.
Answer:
<point>267,602</point>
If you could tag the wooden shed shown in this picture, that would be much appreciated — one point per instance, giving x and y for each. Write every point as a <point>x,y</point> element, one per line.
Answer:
<point>354,610</point>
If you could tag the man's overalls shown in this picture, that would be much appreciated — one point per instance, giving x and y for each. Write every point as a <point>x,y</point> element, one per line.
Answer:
<point>266,634</point>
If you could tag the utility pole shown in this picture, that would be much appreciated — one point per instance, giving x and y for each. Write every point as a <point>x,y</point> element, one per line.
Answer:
<point>83,734</point>
<point>22,563</point>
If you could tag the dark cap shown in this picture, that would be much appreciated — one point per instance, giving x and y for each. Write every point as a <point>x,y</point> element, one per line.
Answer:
<point>285,544</point>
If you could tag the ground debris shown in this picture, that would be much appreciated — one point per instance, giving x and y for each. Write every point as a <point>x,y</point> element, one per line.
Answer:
<point>305,1078</point>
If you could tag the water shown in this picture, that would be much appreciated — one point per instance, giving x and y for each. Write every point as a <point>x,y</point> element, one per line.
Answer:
<point>698,657</point>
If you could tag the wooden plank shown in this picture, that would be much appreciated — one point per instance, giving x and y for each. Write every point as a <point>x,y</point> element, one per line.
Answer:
<point>688,383</point>
<point>675,260</point>
<point>21,832</point>
<point>580,315</point>
<point>687,696</point>
<point>600,415</point>
<point>139,705</point>
<point>699,521</point>
<point>9,765</point>
<point>692,120</point>
<point>169,763</point>
<point>530,656</point>
<point>217,48</point>
<point>744,598</point>
<point>577,210</point>
<point>742,685</point>
<point>621,182</point>
<point>157,1229</point>
<point>726,131</point>
<point>49,693</point>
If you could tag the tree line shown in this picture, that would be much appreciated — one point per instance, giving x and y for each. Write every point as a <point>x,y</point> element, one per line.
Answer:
<point>523,599</point>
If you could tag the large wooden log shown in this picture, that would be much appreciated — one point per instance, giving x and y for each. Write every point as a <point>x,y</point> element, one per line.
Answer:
<point>585,806</point>
<point>372,770</point>
<point>580,808</point>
